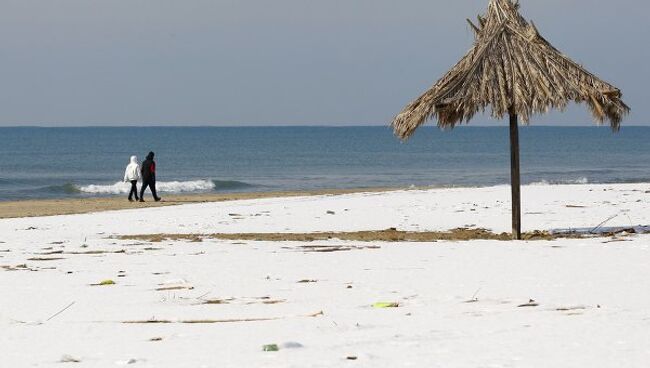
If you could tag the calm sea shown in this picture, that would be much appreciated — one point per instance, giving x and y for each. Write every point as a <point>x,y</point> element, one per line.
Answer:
<point>78,162</point>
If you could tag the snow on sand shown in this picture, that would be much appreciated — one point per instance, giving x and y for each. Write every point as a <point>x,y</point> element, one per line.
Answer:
<point>460,303</point>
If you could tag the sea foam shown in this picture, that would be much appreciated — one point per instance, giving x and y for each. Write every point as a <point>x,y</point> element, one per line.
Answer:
<point>161,186</point>
<point>560,182</point>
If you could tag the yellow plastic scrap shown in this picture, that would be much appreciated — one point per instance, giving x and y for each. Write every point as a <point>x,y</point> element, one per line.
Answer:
<point>385,305</point>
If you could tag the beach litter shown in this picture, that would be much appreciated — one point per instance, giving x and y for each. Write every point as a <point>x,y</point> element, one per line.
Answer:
<point>60,311</point>
<point>270,347</point>
<point>474,298</point>
<point>531,303</point>
<point>49,252</point>
<point>326,248</point>
<point>40,321</point>
<point>572,310</point>
<point>45,259</point>
<point>246,301</point>
<point>94,252</point>
<point>127,362</point>
<point>199,321</point>
<point>19,267</point>
<point>104,283</point>
<point>218,301</point>
<point>215,321</point>
<point>69,359</point>
<point>386,305</point>
<point>178,284</point>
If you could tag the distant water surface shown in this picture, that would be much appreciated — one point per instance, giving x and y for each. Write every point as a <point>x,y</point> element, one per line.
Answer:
<point>81,162</point>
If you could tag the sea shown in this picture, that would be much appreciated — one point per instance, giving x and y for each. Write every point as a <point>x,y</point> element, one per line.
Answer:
<point>40,163</point>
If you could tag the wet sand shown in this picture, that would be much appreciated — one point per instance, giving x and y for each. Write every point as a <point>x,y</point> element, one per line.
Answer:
<point>71,206</point>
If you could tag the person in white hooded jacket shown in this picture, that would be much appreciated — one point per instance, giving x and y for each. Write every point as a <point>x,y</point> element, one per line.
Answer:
<point>132,175</point>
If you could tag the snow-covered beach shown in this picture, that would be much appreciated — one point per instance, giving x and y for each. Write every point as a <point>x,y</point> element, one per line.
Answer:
<point>561,303</point>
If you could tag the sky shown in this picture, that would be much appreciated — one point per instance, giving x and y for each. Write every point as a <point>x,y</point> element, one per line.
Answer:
<point>280,62</point>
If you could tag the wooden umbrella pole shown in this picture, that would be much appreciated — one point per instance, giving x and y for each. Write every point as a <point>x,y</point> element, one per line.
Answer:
<point>514,177</point>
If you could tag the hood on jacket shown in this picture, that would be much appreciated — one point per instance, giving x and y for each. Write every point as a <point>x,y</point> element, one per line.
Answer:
<point>150,156</point>
<point>132,171</point>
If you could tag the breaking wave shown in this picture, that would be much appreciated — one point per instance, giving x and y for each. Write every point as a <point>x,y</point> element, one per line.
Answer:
<point>559,182</point>
<point>162,186</point>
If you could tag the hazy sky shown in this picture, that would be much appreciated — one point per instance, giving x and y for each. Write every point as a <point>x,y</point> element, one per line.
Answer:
<point>238,62</point>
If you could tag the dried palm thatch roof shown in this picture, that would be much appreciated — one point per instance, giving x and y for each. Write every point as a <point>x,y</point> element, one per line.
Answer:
<point>514,70</point>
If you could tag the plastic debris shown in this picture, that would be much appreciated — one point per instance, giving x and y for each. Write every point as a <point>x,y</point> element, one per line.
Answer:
<point>104,283</point>
<point>270,347</point>
<point>385,305</point>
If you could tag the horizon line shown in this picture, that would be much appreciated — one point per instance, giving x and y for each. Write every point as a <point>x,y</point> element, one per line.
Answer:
<point>163,125</point>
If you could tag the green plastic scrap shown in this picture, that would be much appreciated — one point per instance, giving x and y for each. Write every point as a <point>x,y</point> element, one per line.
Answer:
<point>270,347</point>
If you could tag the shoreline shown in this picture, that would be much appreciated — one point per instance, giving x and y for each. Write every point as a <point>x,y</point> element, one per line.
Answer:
<point>27,208</point>
<point>75,206</point>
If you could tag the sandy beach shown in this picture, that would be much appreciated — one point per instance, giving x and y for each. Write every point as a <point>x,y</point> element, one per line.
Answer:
<point>74,291</point>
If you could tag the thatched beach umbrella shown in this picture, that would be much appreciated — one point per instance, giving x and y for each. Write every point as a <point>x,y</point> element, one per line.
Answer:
<point>512,69</point>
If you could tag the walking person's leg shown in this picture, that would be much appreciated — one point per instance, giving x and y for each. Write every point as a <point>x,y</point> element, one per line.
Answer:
<point>131,192</point>
<point>134,189</point>
<point>145,184</point>
<point>152,186</point>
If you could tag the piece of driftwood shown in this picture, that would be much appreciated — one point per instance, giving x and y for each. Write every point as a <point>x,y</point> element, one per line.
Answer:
<point>213,321</point>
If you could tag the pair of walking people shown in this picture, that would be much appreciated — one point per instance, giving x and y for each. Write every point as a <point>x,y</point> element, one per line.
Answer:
<point>146,173</point>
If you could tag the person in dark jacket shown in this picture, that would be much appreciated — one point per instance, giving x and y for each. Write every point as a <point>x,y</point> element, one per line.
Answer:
<point>148,170</point>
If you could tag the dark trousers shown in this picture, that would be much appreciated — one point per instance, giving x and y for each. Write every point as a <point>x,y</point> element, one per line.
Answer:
<point>151,183</point>
<point>134,190</point>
